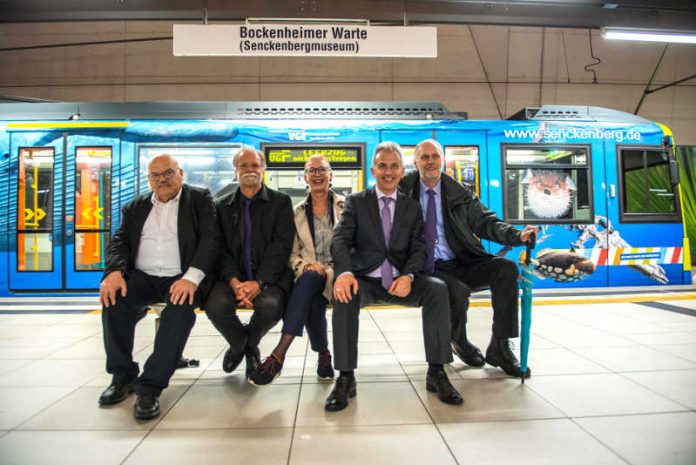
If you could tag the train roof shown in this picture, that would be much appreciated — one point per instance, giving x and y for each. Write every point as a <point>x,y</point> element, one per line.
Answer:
<point>292,110</point>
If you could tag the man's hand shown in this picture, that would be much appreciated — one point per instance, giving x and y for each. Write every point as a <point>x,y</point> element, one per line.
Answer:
<point>527,233</point>
<point>345,287</point>
<point>182,290</point>
<point>113,283</point>
<point>245,291</point>
<point>316,267</point>
<point>401,287</point>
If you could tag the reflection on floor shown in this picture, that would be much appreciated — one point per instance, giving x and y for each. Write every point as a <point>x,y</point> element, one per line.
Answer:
<point>613,383</point>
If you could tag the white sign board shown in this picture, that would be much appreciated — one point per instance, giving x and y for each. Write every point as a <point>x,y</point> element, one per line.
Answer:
<point>305,40</point>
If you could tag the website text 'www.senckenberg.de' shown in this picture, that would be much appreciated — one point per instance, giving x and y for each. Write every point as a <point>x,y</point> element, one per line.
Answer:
<point>572,133</point>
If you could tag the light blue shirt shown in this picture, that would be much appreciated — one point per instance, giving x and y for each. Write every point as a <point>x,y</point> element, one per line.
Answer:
<point>442,249</point>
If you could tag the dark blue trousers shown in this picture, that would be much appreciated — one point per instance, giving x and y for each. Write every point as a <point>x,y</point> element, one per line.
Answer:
<point>307,308</point>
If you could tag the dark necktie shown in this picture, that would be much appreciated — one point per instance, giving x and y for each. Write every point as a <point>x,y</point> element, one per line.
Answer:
<point>387,270</point>
<point>248,262</point>
<point>430,232</point>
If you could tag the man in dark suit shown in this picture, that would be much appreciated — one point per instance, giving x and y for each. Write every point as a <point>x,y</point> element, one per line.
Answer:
<point>163,250</point>
<point>454,224</point>
<point>257,228</point>
<point>378,253</point>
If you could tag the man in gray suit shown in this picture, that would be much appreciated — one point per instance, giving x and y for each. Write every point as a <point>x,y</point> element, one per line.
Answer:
<point>378,251</point>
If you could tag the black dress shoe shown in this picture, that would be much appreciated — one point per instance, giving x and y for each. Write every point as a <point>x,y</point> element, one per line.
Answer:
<point>468,353</point>
<point>116,393</point>
<point>500,355</point>
<point>338,399</point>
<point>440,383</point>
<point>253,359</point>
<point>146,407</point>
<point>232,360</point>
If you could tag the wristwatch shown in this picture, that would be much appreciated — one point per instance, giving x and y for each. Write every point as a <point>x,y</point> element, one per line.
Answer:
<point>263,285</point>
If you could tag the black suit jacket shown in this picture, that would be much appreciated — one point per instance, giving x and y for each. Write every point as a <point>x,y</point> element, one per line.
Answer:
<point>273,227</point>
<point>466,219</point>
<point>196,226</point>
<point>358,242</point>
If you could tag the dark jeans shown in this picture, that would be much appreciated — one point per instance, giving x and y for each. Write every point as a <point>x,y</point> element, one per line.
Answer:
<point>498,273</point>
<point>119,322</point>
<point>221,308</point>
<point>427,291</point>
<point>307,307</point>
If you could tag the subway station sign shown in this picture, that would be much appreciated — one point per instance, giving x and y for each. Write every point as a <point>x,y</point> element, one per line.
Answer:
<point>306,40</point>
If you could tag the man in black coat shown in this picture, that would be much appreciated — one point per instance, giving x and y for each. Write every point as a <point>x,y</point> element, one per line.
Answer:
<point>257,228</point>
<point>456,256</point>
<point>163,251</point>
<point>378,253</point>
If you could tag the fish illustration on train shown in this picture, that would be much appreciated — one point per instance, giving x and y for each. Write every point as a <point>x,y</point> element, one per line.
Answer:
<point>548,193</point>
<point>563,266</point>
<point>567,266</point>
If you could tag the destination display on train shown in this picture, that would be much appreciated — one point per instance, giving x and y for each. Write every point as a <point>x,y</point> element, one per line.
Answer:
<point>295,156</point>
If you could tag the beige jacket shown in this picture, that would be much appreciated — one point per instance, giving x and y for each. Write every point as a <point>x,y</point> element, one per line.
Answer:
<point>303,247</point>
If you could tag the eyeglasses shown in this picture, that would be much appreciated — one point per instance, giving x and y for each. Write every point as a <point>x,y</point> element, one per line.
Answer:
<point>164,174</point>
<point>319,170</point>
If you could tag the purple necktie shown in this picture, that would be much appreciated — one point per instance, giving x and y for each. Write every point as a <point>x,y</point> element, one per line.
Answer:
<point>248,260</point>
<point>387,270</point>
<point>430,232</point>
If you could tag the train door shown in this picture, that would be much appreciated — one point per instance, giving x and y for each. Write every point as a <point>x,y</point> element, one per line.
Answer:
<point>644,228</point>
<point>61,216</point>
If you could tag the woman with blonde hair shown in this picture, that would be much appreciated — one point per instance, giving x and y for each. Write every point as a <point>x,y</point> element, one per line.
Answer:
<point>310,260</point>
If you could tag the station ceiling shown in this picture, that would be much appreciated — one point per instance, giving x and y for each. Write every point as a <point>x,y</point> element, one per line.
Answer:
<point>666,14</point>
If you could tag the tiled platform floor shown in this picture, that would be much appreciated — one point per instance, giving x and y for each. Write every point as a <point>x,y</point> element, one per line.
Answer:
<point>612,384</point>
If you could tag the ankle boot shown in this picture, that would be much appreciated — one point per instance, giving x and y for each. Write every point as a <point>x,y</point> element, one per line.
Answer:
<point>500,355</point>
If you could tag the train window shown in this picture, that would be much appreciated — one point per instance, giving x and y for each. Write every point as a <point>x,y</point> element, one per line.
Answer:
<point>646,190</point>
<point>92,206</point>
<point>547,184</point>
<point>462,163</point>
<point>35,209</point>
<point>407,152</point>
<point>208,166</point>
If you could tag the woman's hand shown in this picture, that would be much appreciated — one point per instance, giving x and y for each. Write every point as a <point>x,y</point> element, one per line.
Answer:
<point>316,267</point>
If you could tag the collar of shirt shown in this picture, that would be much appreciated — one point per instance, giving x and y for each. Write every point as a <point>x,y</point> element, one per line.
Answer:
<point>424,189</point>
<point>381,194</point>
<point>155,201</point>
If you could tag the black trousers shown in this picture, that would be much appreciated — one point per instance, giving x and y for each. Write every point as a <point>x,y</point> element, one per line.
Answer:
<point>118,322</point>
<point>498,273</point>
<point>221,308</point>
<point>427,291</point>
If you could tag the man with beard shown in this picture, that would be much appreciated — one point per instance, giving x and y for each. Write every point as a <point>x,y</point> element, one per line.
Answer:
<point>163,249</point>
<point>455,220</point>
<point>257,229</point>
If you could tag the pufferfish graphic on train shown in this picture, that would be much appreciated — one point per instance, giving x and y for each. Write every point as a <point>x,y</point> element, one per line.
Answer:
<point>562,266</point>
<point>548,193</point>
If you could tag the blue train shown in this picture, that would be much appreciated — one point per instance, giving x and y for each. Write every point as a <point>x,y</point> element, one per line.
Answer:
<point>602,185</point>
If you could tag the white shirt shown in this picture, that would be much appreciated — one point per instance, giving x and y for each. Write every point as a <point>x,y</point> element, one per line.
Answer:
<point>158,253</point>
